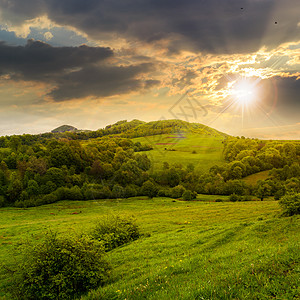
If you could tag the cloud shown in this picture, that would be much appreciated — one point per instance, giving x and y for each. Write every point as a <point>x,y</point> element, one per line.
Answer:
<point>102,81</point>
<point>37,60</point>
<point>282,93</point>
<point>74,72</point>
<point>215,26</point>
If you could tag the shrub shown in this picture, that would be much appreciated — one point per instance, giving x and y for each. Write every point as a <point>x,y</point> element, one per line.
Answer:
<point>60,268</point>
<point>219,200</point>
<point>47,199</point>
<point>130,191</point>
<point>149,189</point>
<point>115,231</point>
<point>235,197</point>
<point>60,193</point>
<point>117,191</point>
<point>188,195</point>
<point>73,193</point>
<point>165,192</point>
<point>96,191</point>
<point>48,188</point>
<point>290,204</point>
<point>177,191</point>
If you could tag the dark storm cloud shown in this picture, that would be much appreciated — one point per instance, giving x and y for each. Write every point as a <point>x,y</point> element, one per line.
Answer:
<point>37,60</point>
<point>102,82</point>
<point>279,95</point>
<point>74,72</point>
<point>215,26</point>
<point>282,92</point>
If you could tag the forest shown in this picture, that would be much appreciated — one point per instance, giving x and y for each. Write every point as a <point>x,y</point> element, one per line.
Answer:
<point>107,164</point>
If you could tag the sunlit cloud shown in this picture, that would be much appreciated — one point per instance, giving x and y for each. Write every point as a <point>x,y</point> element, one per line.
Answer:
<point>150,54</point>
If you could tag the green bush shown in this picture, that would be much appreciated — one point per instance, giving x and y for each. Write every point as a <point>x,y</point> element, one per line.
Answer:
<point>60,268</point>
<point>47,199</point>
<point>290,204</point>
<point>164,192</point>
<point>177,191</point>
<point>96,191</point>
<point>130,191</point>
<point>115,231</point>
<point>235,197</point>
<point>188,195</point>
<point>73,193</point>
<point>219,200</point>
<point>149,189</point>
<point>117,191</point>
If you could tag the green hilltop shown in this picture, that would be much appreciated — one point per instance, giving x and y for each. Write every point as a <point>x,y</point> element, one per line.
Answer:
<point>136,128</point>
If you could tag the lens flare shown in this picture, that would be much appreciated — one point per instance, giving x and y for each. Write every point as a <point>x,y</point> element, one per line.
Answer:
<point>244,92</point>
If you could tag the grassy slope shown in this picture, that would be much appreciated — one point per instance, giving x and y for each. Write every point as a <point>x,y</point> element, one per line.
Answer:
<point>196,250</point>
<point>207,150</point>
<point>252,179</point>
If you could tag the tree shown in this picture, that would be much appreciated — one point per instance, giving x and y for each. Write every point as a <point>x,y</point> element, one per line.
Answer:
<point>117,191</point>
<point>15,142</point>
<point>32,188</point>
<point>55,175</point>
<point>15,188</point>
<point>263,189</point>
<point>290,204</point>
<point>37,165</point>
<point>149,189</point>
<point>143,161</point>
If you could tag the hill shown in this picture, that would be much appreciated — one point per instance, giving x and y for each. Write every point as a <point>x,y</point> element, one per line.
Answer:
<point>172,141</point>
<point>64,128</point>
<point>136,128</point>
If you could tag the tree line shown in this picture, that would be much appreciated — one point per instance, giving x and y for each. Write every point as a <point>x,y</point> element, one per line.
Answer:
<point>36,171</point>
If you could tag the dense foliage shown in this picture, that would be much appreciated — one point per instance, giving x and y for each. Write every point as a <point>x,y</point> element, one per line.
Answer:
<point>42,169</point>
<point>290,204</point>
<point>60,268</point>
<point>115,231</point>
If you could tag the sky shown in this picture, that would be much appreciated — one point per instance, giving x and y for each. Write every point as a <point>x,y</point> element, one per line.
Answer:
<point>233,65</point>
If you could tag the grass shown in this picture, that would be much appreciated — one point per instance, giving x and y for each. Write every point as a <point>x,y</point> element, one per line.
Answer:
<point>252,179</point>
<point>190,250</point>
<point>202,151</point>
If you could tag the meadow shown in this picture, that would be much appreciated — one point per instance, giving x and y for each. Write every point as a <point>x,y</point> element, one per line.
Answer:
<point>254,178</point>
<point>202,151</point>
<point>189,250</point>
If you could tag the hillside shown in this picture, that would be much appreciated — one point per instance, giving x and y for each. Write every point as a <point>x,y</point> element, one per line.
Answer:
<point>64,128</point>
<point>172,141</point>
<point>136,128</point>
<point>197,149</point>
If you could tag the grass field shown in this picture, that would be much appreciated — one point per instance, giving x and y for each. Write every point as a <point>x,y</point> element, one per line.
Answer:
<point>202,151</point>
<point>190,250</point>
<point>252,179</point>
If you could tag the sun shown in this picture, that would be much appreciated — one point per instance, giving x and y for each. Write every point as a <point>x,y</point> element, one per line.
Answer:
<point>244,92</point>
